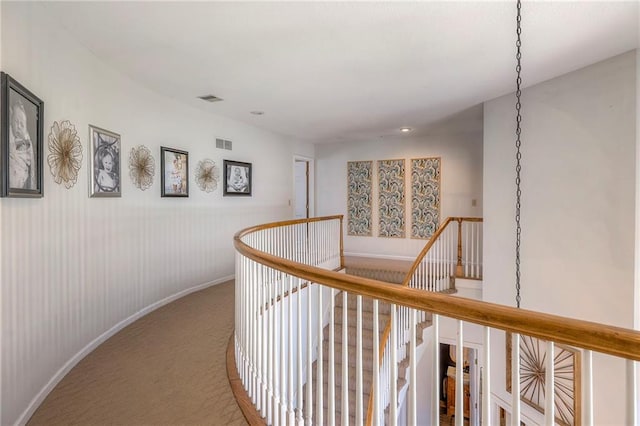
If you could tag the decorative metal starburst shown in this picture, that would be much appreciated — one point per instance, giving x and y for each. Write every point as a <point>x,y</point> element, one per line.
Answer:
<point>142,167</point>
<point>65,153</point>
<point>533,354</point>
<point>207,175</point>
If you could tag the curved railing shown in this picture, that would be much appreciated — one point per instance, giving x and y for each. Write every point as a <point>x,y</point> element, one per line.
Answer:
<point>285,298</point>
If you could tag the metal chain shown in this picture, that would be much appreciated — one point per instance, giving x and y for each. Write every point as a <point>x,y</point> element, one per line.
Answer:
<point>518,153</point>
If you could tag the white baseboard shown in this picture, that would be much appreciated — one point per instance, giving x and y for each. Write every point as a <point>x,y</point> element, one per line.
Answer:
<point>39,398</point>
<point>381,256</point>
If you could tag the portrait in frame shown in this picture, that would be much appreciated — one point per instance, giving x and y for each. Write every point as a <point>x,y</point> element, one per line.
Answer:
<point>22,133</point>
<point>104,163</point>
<point>237,178</point>
<point>174,165</point>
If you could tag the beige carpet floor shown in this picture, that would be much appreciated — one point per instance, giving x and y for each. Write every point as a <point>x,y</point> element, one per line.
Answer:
<point>167,368</point>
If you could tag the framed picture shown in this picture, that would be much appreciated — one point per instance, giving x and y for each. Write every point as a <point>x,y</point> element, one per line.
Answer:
<point>237,178</point>
<point>21,139</point>
<point>174,165</point>
<point>104,163</point>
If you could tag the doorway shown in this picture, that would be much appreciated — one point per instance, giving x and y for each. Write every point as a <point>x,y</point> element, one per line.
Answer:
<point>302,187</point>
<point>448,363</point>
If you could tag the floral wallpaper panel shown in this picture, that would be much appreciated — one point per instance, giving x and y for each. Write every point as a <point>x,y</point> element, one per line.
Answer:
<point>425,196</point>
<point>391,198</point>
<point>359,197</point>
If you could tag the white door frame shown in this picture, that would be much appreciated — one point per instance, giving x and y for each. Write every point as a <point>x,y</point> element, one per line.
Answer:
<point>310,183</point>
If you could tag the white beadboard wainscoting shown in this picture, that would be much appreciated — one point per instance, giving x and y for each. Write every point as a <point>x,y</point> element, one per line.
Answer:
<point>71,280</point>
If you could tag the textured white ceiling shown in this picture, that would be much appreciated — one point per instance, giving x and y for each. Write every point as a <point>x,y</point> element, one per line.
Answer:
<point>329,71</point>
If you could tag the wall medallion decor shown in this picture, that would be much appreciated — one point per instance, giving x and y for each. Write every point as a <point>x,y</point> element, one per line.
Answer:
<point>207,175</point>
<point>566,362</point>
<point>425,196</point>
<point>65,153</point>
<point>359,195</point>
<point>104,163</point>
<point>142,167</point>
<point>21,135</point>
<point>174,171</point>
<point>391,198</point>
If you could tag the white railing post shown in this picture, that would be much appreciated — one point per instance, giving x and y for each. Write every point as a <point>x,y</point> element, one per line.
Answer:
<point>486,378</point>
<point>393,369</point>
<point>460,375</point>
<point>309,388</point>
<point>435,383</point>
<point>359,390</point>
<point>344,405</point>
<point>376,363</point>
<point>319,361</point>
<point>588,388</point>
<point>331,397</point>
<point>412,370</point>
<point>549,405</point>
<point>515,380</point>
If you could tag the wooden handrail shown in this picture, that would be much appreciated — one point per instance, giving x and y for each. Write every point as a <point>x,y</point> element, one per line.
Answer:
<point>432,241</point>
<point>601,338</point>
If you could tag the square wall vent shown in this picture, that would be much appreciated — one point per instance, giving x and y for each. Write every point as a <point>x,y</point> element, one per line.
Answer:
<point>210,98</point>
<point>224,144</point>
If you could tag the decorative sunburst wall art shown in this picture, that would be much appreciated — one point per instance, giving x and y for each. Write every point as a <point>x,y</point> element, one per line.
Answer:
<point>207,175</point>
<point>65,153</point>
<point>359,197</point>
<point>425,196</point>
<point>142,167</point>
<point>391,198</point>
<point>533,358</point>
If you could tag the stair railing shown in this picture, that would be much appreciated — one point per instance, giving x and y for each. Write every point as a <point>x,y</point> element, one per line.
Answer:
<point>453,251</point>
<point>282,306</point>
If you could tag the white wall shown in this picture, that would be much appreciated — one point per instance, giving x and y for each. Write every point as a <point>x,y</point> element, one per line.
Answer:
<point>77,267</point>
<point>578,185</point>
<point>458,141</point>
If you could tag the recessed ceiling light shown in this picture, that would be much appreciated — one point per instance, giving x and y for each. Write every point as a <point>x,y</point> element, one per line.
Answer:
<point>257,112</point>
<point>405,129</point>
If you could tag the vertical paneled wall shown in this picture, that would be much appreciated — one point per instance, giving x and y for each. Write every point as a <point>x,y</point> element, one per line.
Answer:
<point>74,267</point>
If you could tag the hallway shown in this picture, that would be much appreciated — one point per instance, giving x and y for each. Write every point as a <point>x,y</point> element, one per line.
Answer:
<point>167,368</point>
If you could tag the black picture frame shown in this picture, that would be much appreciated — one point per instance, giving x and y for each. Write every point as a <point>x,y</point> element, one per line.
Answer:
<point>174,172</point>
<point>237,178</point>
<point>104,163</point>
<point>22,120</point>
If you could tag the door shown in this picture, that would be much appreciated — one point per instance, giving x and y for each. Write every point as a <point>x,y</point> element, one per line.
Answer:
<point>301,194</point>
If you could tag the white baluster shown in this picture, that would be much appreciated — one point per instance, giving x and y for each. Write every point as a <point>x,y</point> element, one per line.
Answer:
<point>299,351</point>
<point>632,393</point>
<point>435,372</point>
<point>290,353</point>
<point>515,380</point>
<point>588,388</point>
<point>319,361</point>
<point>376,363</point>
<point>345,361</point>
<point>393,369</point>
<point>282,384</point>
<point>412,370</point>
<point>309,398</point>
<point>359,389</point>
<point>459,375</point>
<point>486,378</point>
<point>549,385</point>
<point>331,397</point>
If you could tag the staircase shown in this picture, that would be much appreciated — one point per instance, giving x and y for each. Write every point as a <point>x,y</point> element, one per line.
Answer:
<point>367,356</point>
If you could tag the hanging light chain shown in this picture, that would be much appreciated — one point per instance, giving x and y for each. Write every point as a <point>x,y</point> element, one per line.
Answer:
<point>518,153</point>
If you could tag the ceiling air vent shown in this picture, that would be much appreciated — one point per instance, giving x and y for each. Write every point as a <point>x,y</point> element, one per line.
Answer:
<point>210,98</point>
<point>224,144</point>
